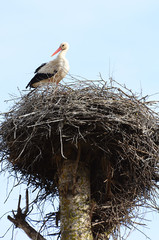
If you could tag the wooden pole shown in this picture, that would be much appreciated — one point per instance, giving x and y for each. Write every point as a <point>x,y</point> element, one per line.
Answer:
<point>74,191</point>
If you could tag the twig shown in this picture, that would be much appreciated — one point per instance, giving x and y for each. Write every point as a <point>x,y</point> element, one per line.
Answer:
<point>61,143</point>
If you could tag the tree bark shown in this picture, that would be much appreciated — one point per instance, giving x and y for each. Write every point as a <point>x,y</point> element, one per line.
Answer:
<point>74,193</point>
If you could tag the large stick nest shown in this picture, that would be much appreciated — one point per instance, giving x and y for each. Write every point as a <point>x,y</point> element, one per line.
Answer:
<point>118,135</point>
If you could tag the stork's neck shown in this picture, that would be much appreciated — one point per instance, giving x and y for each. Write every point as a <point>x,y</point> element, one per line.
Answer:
<point>62,54</point>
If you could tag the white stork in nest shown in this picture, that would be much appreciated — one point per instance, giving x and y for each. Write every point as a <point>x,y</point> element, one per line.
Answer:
<point>53,71</point>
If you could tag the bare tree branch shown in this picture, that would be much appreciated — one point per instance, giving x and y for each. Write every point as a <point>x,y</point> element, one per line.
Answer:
<point>20,222</point>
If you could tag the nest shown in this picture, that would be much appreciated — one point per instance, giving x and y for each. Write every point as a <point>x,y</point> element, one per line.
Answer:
<point>118,135</point>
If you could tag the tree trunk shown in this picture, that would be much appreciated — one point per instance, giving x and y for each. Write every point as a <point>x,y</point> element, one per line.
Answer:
<point>74,191</point>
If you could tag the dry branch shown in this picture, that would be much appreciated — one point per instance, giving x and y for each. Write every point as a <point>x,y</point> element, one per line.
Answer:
<point>20,222</point>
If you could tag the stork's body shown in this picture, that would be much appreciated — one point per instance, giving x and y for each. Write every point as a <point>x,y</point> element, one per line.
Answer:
<point>53,71</point>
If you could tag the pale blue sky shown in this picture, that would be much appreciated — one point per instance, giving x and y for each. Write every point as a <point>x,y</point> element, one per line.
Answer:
<point>117,37</point>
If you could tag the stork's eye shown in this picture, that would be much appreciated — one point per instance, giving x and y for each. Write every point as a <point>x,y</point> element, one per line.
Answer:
<point>63,45</point>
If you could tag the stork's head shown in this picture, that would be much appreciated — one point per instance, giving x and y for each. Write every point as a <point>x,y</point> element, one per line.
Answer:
<point>63,47</point>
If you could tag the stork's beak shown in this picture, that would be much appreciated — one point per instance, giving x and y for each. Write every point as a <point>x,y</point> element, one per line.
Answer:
<point>58,50</point>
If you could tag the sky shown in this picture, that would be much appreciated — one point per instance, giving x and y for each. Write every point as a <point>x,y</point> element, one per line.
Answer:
<point>118,39</point>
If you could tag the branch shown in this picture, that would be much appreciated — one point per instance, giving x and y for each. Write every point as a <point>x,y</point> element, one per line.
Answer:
<point>20,222</point>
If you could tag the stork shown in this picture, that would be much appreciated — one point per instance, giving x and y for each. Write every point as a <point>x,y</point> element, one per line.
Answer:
<point>53,71</point>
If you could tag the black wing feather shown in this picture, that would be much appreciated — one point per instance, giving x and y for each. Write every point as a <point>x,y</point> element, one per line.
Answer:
<point>40,76</point>
<point>36,70</point>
